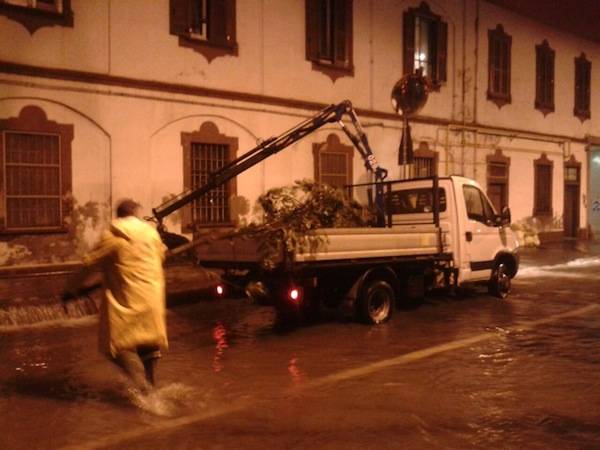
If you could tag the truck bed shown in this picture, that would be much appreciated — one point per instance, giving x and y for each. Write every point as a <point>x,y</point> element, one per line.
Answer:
<point>339,244</point>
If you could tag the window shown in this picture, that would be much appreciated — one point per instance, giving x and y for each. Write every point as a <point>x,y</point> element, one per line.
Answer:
<point>425,43</point>
<point>206,26</point>
<point>34,14</point>
<point>542,205</point>
<point>35,172</point>
<point>544,86</point>
<point>204,152</point>
<point>498,167</point>
<point>499,66</point>
<point>424,162</point>
<point>478,207</point>
<point>583,73</point>
<point>329,36</point>
<point>333,162</point>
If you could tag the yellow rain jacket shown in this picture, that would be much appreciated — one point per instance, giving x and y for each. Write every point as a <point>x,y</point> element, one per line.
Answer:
<point>130,255</point>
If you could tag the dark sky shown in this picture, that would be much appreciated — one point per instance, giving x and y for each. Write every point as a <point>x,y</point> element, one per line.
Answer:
<point>581,17</point>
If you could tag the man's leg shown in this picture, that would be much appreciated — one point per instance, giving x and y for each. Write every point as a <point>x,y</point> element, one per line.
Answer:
<point>130,362</point>
<point>149,356</point>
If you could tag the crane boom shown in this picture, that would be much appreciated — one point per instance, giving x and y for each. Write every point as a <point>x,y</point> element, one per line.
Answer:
<point>267,148</point>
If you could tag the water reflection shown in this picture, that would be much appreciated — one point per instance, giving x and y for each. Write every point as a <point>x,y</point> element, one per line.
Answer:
<point>294,370</point>
<point>220,337</point>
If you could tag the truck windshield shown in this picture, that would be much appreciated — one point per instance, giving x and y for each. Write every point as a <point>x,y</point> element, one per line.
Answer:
<point>415,201</point>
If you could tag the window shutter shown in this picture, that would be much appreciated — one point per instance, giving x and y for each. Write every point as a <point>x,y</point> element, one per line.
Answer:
<point>312,30</point>
<point>409,42</point>
<point>217,22</point>
<point>230,22</point>
<point>343,30</point>
<point>179,17</point>
<point>442,51</point>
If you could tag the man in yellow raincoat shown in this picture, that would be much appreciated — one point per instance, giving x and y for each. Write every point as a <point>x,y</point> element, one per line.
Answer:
<point>133,330</point>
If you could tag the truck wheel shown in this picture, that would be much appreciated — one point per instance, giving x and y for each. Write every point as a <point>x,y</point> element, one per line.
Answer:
<point>499,284</point>
<point>376,302</point>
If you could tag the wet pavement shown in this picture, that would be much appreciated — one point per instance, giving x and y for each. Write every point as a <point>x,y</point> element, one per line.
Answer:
<point>453,373</point>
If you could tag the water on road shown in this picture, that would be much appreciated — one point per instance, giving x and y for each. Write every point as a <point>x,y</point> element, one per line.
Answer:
<point>455,372</point>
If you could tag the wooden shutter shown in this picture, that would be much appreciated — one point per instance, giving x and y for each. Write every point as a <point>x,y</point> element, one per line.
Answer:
<point>312,30</point>
<point>179,22</point>
<point>217,22</point>
<point>409,42</point>
<point>342,30</point>
<point>221,22</point>
<point>442,51</point>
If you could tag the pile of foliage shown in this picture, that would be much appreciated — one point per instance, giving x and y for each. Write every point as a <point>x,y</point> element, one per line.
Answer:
<point>290,213</point>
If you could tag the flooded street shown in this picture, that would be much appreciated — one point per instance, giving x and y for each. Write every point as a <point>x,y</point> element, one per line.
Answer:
<point>455,372</point>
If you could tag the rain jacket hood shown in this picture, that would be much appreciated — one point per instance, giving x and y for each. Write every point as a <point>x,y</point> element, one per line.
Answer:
<point>130,255</point>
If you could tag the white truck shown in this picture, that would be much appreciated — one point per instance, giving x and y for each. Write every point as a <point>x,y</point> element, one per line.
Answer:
<point>430,232</point>
<point>426,241</point>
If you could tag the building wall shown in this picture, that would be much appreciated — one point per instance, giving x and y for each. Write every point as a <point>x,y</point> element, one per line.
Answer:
<point>130,90</point>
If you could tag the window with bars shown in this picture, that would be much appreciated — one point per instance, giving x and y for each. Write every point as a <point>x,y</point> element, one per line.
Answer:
<point>32,180</point>
<point>333,162</point>
<point>425,43</point>
<point>213,208</point>
<point>329,36</point>
<point>35,173</point>
<point>499,65</point>
<point>543,168</point>
<point>204,152</point>
<point>424,161</point>
<point>544,70</point>
<point>583,73</point>
<point>207,26</point>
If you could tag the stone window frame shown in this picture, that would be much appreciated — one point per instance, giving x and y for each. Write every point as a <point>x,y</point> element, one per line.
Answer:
<point>332,144</point>
<point>438,43</point>
<point>499,66</point>
<point>207,133</point>
<point>220,39</point>
<point>538,210</point>
<point>544,77</point>
<point>33,17</point>
<point>582,98</point>
<point>340,62</point>
<point>33,119</point>
<point>498,158</point>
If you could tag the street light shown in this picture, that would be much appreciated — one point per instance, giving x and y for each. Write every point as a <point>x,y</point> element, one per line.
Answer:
<point>409,95</point>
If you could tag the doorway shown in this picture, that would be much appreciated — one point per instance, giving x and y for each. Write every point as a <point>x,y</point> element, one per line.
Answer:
<point>572,196</point>
<point>593,203</point>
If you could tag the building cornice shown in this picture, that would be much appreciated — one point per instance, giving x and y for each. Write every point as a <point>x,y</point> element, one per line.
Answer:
<point>186,89</point>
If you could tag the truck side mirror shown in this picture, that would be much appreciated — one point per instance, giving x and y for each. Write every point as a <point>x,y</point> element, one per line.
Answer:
<point>505,215</point>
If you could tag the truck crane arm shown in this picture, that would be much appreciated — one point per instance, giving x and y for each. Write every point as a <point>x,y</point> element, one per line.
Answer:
<point>268,147</point>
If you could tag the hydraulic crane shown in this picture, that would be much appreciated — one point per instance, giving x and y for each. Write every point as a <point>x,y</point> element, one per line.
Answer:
<point>267,148</point>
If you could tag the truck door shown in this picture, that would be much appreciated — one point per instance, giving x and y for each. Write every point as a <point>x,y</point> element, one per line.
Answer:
<point>482,236</point>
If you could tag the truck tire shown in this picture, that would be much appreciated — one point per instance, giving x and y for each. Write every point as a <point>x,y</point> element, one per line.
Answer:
<point>376,302</point>
<point>499,284</point>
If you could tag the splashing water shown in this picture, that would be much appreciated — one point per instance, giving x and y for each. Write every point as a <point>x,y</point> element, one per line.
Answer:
<point>28,315</point>
<point>168,401</point>
<point>549,270</point>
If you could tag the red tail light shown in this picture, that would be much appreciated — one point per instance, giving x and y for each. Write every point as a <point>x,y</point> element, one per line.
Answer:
<point>295,294</point>
<point>220,290</point>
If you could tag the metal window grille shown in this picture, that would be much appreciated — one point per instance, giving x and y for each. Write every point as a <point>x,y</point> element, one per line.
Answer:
<point>213,208</point>
<point>334,169</point>
<point>423,166</point>
<point>32,180</point>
